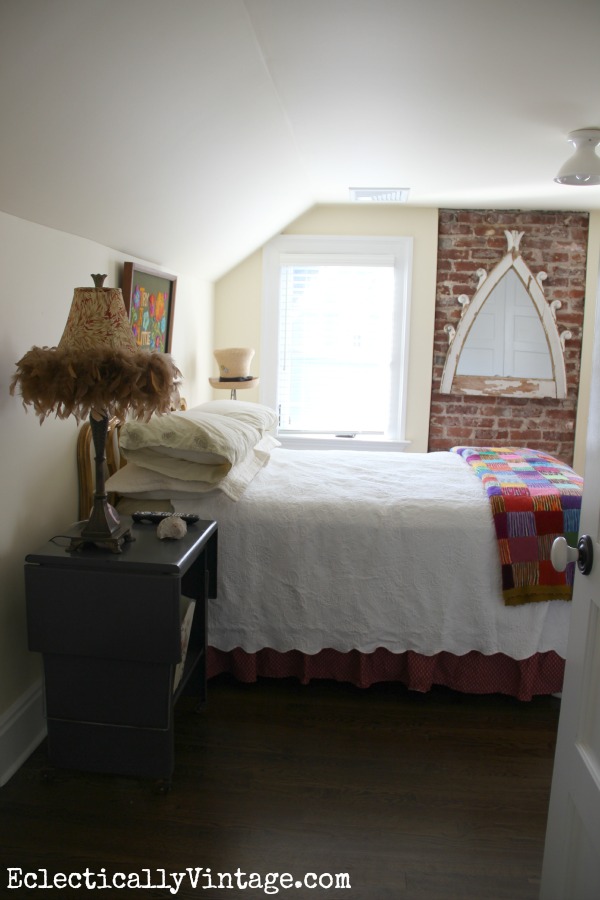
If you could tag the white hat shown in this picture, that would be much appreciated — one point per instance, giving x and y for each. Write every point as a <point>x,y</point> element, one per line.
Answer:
<point>234,368</point>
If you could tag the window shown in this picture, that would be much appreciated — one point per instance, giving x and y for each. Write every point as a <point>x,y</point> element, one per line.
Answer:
<point>335,338</point>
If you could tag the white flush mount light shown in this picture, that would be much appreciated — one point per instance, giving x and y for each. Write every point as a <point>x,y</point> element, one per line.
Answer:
<point>583,168</point>
<point>378,195</point>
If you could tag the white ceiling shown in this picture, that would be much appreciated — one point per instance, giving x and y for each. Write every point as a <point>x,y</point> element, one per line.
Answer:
<point>188,132</point>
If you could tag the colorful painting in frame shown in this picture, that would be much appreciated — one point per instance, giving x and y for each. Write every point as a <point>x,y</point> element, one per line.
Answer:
<point>150,301</point>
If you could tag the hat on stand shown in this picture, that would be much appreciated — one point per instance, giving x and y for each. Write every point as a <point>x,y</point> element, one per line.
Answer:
<point>234,368</point>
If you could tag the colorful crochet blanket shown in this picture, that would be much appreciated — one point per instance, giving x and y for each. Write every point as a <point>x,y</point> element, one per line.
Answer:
<point>534,498</point>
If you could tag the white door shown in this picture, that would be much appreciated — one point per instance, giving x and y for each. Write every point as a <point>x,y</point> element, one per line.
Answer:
<point>571,868</point>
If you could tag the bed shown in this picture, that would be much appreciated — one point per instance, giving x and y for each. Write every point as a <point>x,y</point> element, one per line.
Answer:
<point>362,566</point>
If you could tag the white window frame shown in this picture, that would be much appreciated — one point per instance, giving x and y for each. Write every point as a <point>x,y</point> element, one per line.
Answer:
<point>284,248</point>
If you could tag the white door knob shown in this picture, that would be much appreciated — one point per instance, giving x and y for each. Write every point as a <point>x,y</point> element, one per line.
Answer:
<point>561,554</point>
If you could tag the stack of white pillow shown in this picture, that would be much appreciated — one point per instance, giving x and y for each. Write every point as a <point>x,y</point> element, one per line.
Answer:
<point>219,445</point>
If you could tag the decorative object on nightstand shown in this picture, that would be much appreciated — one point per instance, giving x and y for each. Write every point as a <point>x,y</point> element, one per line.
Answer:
<point>172,528</point>
<point>97,371</point>
<point>234,369</point>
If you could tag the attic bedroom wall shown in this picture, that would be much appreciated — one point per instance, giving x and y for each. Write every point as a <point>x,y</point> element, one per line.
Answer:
<point>238,295</point>
<point>553,242</point>
<point>40,268</point>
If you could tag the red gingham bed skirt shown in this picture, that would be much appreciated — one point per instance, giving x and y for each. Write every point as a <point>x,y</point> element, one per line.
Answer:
<point>472,673</point>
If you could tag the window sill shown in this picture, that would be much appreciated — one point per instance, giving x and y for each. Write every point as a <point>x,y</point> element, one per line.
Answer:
<point>327,442</point>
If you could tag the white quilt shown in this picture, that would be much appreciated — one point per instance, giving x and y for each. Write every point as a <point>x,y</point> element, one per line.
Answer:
<point>359,550</point>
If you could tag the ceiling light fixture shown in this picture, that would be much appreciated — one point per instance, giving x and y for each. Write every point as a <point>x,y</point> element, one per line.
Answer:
<point>378,195</point>
<point>583,168</point>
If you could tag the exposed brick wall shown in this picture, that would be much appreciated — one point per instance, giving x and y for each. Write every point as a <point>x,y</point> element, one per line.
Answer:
<point>553,242</point>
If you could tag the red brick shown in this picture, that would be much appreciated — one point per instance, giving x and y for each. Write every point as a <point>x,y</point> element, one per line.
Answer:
<point>554,242</point>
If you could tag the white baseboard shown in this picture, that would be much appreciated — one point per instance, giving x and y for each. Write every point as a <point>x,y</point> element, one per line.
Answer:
<point>22,728</point>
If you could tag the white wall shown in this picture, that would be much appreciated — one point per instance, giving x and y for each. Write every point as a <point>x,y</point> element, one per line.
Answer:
<point>592,287</point>
<point>40,268</point>
<point>238,295</point>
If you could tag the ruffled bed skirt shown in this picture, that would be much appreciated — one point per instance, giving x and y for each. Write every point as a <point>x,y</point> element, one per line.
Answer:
<point>472,673</point>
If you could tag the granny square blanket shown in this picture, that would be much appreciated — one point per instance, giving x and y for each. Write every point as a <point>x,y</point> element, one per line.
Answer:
<point>534,499</point>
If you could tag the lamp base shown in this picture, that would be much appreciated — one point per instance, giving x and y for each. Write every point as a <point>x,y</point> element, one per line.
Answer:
<point>112,542</point>
<point>103,527</point>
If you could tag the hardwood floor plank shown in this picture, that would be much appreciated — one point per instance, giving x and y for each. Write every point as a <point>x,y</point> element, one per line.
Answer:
<point>420,797</point>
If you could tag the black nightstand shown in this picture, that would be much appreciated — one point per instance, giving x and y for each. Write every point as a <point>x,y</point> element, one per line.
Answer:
<point>109,627</point>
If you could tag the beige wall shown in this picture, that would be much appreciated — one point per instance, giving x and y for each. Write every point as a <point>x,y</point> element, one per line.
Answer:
<point>40,267</point>
<point>238,299</point>
<point>238,295</point>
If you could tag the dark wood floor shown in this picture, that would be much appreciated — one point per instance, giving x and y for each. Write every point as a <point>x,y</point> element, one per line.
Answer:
<point>417,797</point>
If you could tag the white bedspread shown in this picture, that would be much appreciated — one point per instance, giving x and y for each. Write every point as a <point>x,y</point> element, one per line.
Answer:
<point>359,550</point>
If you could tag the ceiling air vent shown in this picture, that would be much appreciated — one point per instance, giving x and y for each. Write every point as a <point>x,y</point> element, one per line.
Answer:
<point>378,195</point>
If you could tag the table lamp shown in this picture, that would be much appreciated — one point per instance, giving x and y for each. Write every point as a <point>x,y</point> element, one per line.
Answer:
<point>97,371</point>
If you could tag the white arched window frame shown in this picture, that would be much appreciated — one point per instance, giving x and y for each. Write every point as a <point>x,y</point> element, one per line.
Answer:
<point>506,385</point>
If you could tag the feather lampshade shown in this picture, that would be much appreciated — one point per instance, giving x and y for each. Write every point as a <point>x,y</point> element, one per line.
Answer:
<point>97,371</point>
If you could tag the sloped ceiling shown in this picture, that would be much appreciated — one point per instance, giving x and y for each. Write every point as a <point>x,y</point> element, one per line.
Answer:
<point>188,132</point>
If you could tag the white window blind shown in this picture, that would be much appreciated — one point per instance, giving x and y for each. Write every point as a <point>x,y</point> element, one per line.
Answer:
<point>335,348</point>
<point>334,360</point>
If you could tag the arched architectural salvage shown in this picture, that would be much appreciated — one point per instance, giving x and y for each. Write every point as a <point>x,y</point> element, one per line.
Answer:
<point>501,381</point>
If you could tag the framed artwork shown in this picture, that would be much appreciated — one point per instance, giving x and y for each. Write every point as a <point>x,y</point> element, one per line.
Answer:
<point>150,302</point>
